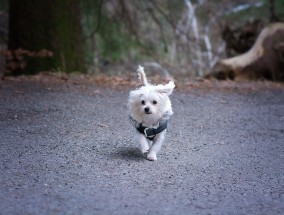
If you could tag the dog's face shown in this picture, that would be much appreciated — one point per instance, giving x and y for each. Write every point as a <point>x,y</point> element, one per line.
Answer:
<point>150,102</point>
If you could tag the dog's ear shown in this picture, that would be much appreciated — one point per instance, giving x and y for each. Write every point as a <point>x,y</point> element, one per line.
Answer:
<point>135,94</point>
<point>166,89</point>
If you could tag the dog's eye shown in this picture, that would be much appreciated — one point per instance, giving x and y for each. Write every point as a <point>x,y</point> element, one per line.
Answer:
<point>143,102</point>
<point>154,102</point>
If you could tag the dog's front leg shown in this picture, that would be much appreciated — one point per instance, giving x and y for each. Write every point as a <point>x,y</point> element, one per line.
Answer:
<point>156,146</point>
<point>143,143</point>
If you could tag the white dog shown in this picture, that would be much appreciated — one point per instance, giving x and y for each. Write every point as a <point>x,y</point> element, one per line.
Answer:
<point>150,109</point>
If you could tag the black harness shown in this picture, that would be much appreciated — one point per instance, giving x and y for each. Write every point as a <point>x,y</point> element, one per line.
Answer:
<point>151,133</point>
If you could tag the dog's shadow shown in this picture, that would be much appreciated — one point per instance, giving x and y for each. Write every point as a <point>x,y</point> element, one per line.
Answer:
<point>129,154</point>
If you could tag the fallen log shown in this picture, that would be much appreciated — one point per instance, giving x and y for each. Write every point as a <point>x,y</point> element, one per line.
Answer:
<point>265,60</point>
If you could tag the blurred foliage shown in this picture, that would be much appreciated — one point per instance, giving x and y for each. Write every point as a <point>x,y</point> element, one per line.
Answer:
<point>105,35</point>
<point>279,8</point>
<point>119,31</point>
<point>184,36</point>
<point>163,30</point>
<point>36,25</point>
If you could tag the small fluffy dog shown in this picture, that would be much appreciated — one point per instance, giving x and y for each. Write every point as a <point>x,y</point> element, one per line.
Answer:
<point>150,109</point>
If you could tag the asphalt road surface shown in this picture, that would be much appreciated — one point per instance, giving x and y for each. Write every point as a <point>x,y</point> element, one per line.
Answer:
<point>69,149</point>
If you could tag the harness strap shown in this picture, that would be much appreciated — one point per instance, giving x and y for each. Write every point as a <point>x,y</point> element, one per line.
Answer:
<point>151,133</point>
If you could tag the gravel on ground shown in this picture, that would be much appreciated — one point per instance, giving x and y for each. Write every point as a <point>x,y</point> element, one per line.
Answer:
<point>69,149</point>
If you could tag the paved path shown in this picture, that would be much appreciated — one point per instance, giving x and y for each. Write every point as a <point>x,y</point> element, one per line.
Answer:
<point>68,149</point>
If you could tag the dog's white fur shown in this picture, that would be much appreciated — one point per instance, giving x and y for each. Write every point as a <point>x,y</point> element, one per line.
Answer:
<point>154,98</point>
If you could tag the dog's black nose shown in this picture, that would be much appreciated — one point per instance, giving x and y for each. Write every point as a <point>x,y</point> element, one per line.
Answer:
<point>147,109</point>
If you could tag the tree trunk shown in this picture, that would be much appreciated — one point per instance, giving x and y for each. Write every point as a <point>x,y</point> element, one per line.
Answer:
<point>53,25</point>
<point>265,60</point>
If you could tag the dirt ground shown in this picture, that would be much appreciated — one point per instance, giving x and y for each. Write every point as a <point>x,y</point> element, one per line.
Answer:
<point>67,148</point>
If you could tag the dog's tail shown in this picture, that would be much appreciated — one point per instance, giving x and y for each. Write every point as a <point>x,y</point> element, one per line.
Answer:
<point>142,75</point>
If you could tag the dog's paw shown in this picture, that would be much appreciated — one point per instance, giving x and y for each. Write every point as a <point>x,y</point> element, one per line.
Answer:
<point>144,151</point>
<point>151,157</point>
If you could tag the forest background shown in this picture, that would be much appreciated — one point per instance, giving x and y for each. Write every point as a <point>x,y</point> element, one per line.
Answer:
<point>181,38</point>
